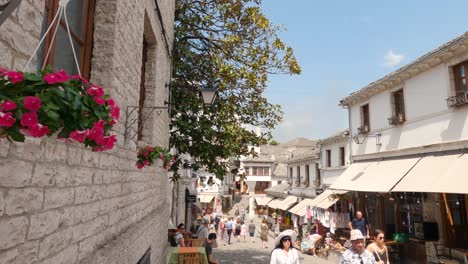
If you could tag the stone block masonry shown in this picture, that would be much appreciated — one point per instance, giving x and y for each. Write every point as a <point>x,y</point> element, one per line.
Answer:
<point>62,203</point>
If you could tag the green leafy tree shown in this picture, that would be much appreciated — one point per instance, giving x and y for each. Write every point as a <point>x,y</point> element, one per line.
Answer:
<point>273,142</point>
<point>228,45</point>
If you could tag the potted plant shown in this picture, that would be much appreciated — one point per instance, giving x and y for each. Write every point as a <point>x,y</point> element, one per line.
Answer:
<point>148,155</point>
<point>54,103</point>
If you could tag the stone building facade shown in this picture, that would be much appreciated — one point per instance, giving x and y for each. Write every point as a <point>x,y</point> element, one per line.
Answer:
<point>62,203</point>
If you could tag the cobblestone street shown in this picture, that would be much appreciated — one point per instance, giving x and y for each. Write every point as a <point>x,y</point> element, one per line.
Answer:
<point>246,252</point>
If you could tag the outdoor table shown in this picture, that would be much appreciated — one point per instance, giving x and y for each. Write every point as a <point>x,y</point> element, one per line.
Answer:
<point>178,253</point>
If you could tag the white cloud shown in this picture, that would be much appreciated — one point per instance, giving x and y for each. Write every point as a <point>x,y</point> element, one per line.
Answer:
<point>393,59</point>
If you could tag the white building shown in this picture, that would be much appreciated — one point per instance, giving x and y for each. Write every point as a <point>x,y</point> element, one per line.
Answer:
<point>303,175</point>
<point>334,158</point>
<point>410,139</point>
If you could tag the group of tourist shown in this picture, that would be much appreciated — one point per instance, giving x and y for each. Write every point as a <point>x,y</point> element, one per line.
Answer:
<point>286,252</point>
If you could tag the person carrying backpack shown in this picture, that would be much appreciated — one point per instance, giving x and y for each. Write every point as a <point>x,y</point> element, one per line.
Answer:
<point>177,240</point>
<point>203,230</point>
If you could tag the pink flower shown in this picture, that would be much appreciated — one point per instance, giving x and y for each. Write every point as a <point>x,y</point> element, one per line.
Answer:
<point>38,130</point>
<point>150,149</point>
<point>115,112</point>
<point>109,142</point>
<point>52,78</point>
<point>112,122</point>
<point>146,162</point>
<point>14,76</point>
<point>140,166</point>
<point>98,100</point>
<point>7,119</point>
<point>161,156</point>
<point>79,136</point>
<point>145,154</point>
<point>32,103</point>
<point>8,105</point>
<point>97,132</point>
<point>110,102</point>
<point>95,91</point>
<point>29,119</point>
<point>3,72</point>
<point>78,77</point>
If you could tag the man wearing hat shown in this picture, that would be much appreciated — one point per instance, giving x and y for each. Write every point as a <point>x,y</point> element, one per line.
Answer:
<point>357,254</point>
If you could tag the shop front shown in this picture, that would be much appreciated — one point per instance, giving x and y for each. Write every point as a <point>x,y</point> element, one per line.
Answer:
<point>419,201</point>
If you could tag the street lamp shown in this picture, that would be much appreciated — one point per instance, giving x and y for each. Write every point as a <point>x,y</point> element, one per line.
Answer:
<point>360,137</point>
<point>208,95</point>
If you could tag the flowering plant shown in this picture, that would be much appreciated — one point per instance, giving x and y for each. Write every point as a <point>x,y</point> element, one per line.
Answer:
<point>49,102</point>
<point>147,155</point>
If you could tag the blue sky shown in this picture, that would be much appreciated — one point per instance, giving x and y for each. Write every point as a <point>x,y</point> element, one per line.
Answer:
<point>344,45</point>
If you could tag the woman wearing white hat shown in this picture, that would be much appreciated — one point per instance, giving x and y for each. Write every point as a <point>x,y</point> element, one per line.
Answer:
<point>284,252</point>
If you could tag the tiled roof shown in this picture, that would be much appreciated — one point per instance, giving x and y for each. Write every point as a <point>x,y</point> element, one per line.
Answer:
<point>340,136</point>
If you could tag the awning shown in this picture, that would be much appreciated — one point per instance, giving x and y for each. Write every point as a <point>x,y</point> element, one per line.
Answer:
<point>379,176</point>
<point>280,188</point>
<point>300,208</point>
<point>263,200</point>
<point>324,200</point>
<point>440,174</point>
<point>287,203</point>
<point>274,203</point>
<point>206,198</point>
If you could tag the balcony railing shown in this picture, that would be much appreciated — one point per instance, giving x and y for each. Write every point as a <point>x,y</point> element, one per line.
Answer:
<point>396,120</point>
<point>458,100</point>
<point>363,129</point>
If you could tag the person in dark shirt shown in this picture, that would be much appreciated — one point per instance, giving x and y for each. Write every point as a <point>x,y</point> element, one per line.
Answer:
<point>361,224</point>
<point>209,249</point>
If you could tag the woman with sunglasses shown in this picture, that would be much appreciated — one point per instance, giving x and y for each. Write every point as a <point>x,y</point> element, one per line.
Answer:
<point>378,248</point>
<point>284,252</point>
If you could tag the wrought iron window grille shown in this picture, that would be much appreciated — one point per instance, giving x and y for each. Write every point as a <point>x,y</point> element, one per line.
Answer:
<point>396,120</point>
<point>458,100</point>
<point>136,118</point>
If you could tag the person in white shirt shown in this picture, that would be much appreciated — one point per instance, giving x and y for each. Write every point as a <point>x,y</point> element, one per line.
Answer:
<point>179,237</point>
<point>284,252</point>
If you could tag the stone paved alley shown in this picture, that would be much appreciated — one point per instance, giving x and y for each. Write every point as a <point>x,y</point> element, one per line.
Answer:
<point>247,252</point>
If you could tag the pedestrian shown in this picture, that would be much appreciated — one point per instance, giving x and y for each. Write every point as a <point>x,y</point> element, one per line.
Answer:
<point>285,252</point>
<point>264,233</point>
<point>252,230</point>
<point>209,249</point>
<point>361,224</point>
<point>179,237</point>
<point>229,226</point>
<point>243,232</point>
<point>217,219</point>
<point>378,248</point>
<point>314,240</point>
<point>243,213</point>
<point>238,230</point>
<point>203,231</point>
<point>357,254</point>
<point>221,228</point>
<point>236,213</point>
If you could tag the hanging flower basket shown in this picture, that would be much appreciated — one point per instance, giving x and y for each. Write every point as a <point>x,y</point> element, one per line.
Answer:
<point>53,102</point>
<point>148,155</point>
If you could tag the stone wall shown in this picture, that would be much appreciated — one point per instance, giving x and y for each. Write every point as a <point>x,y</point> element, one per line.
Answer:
<point>61,203</point>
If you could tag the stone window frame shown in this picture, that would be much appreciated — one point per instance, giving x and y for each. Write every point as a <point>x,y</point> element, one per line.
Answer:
<point>85,42</point>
